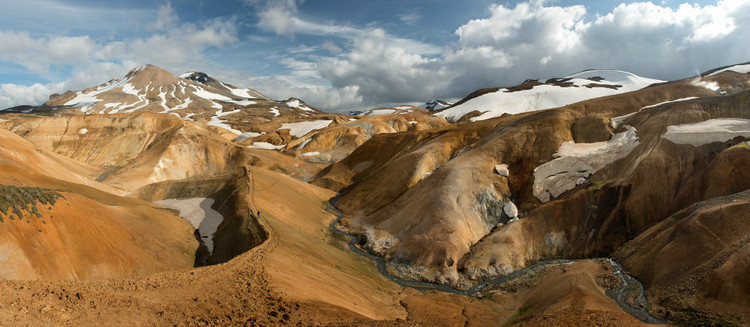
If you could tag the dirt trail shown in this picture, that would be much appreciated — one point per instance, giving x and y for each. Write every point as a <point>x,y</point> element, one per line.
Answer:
<point>239,292</point>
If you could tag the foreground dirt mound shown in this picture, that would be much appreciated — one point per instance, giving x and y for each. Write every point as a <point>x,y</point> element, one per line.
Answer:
<point>54,228</point>
<point>239,230</point>
<point>302,275</point>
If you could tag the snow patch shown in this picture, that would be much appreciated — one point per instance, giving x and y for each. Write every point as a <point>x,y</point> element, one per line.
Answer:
<point>577,161</point>
<point>298,105</point>
<point>311,154</point>
<point>299,129</point>
<point>245,136</point>
<point>215,121</point>
<point>265,146</point>
<point>709,131</point>
<point>308,140</point>
<point>665,102</point>
<point>83,131</point>
<point>198,212</point>
<point>742,69</point>
<point>376,112</point>
<point>275,111</point>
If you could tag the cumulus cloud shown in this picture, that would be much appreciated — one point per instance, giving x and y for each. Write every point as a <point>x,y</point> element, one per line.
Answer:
<point>276,15</point>
<point>410,17</point>
<point>39,53</point>
<point>172,45</point>
<point>13,94</point>
<point>382,69</point>
<point>537,40</point>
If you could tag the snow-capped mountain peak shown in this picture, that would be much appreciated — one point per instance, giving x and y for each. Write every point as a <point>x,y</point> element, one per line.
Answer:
<point>555,92</point>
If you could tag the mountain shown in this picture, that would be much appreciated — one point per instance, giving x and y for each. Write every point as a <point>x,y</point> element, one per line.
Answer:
<point>533,95</point>
<point>601,198</point>
<point>436,104</point>
<point>195,97</point>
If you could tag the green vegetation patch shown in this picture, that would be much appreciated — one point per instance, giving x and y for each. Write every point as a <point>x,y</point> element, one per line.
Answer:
<point>743,145</point>
<point>19,201</point>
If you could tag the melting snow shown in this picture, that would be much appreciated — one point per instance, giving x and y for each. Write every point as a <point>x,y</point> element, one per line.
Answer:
<point>265,146</point>
<point>742,69</point>
<point>299,129</point>
<point>709,131</point>
<point>215,121</point>
<point>665,102</point>
<point>302,145</point>
<point>296,104</point>
<point>541,97</point>
<point>275,111</point>
<point>245,136</point>
<point>577,161</point>
<point>83,131</point>
<point>375,112</point>
<point>311,154</point>
<point>198,212</point>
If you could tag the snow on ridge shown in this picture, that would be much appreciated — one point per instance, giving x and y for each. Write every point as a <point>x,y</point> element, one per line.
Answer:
<point>708,131</point>
<point>299,129</point>
<point>186,74</point>
<point>742,69</point>
<point>296,104</point>
<point>203,93</point>
<point>548,96</point>
<point>670,101</point>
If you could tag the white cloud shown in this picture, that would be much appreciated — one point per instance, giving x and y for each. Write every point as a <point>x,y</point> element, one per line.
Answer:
<point>39,53</point>
<point>13,94</point>
<point>276,15</point>
<point>173,46</point>
<point>410,17</point>
<point>331,47</point>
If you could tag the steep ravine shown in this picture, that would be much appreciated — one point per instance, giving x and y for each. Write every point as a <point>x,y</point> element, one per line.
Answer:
<point>628,294</point>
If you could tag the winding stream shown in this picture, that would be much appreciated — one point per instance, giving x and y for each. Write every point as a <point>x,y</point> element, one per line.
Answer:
<point>628,294</point>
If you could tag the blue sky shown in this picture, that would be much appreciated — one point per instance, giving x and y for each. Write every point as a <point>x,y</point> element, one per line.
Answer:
<point>352,54</point>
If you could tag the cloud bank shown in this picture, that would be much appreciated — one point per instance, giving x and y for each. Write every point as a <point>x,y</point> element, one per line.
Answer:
<point>343,66</point>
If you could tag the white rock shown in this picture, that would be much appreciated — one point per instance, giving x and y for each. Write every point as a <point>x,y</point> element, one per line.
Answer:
<point>502,170</point>
<point>510,210</point>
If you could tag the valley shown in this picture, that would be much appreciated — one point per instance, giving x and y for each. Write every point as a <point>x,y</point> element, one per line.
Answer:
<point>598,198</point>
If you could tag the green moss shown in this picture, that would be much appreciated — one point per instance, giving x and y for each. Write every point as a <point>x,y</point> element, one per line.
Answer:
<point>743,145</point>
<point>18,202</point>
<point>521,315</point>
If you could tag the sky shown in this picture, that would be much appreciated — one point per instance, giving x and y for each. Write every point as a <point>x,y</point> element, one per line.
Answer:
<point>341,55</point>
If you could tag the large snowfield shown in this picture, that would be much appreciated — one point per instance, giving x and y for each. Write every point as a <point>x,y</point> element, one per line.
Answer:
<point>541,97</point>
